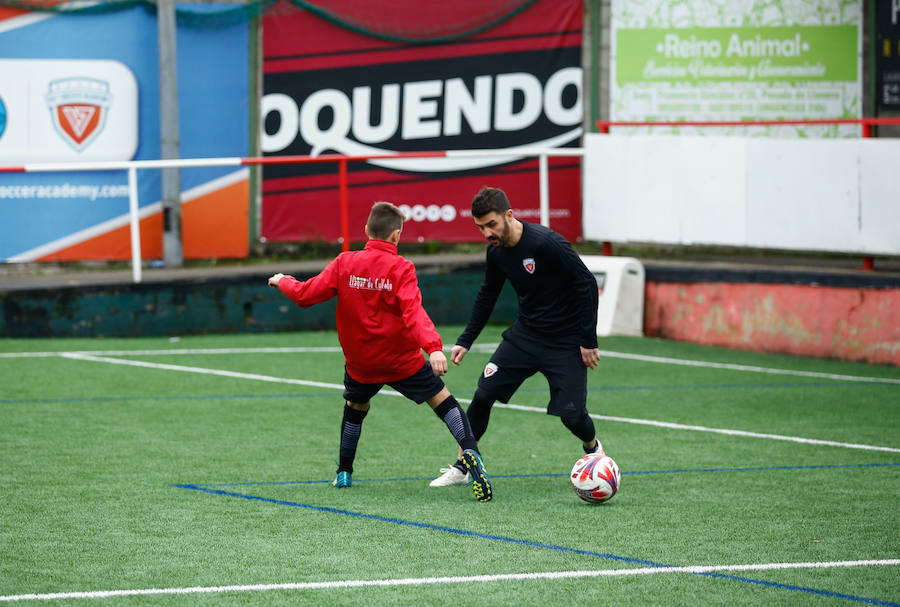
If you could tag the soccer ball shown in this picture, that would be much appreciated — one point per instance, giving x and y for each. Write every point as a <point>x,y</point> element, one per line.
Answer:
<point>595,477</point>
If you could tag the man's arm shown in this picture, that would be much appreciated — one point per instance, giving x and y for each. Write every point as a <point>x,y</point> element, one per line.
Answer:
<point>584,285</point>
<point>482,308</point>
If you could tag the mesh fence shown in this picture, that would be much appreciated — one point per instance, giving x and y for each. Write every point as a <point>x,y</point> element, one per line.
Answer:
<point>410,21</point>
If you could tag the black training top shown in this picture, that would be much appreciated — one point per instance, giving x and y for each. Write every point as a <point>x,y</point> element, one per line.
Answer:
<point>557,293</point>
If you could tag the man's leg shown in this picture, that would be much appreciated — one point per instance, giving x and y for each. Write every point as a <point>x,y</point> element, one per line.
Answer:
<point>567,376</point>
<point>582,426</point>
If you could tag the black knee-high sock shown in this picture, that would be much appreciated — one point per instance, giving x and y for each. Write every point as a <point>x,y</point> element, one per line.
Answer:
<point>457,422</point>
<point>351,427</point>
<point>581,426</point>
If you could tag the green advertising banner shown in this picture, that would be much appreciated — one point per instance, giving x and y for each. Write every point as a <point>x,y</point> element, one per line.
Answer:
<point>702,60</point>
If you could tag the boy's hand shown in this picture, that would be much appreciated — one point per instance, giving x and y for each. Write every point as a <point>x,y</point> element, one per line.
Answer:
<point>273,280</point>
<point>438,362</point>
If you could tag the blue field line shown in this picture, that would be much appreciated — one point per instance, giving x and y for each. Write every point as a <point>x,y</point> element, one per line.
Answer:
<point>558,474</point>
<point>816,591</point>
<point>530,544</point>
<point>416,524</point>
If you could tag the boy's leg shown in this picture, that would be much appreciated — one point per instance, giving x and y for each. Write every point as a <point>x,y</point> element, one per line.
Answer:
<point>508,368</point>
<point>356,397</point>
<point>351,428</point>
<point>447,408</point>
<point>478,414</point>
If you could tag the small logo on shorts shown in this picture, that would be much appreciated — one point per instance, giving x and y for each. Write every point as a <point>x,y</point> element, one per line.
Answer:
<point>490,369</point>
<point>528,262</point>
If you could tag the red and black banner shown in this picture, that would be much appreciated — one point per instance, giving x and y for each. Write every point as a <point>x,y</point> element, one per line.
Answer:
<point>329,90</point>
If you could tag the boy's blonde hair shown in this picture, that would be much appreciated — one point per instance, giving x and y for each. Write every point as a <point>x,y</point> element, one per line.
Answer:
<point>383,220</point>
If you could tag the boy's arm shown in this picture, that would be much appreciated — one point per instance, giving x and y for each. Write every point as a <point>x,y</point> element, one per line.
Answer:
<point>310,292</point>
<point>415,318</point>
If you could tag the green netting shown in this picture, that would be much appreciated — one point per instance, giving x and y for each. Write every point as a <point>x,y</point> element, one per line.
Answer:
<point>415,21</point>
<point>196,15</point>
<point>412,21</point>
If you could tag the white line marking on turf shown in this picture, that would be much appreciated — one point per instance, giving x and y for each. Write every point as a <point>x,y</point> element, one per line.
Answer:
<point>317,384</point>
<point>201,370</point>
<point>178,351</point>
<point>734,367</point>
<point>674,426</point>
<point>488,347</point>
<point>504,577</point>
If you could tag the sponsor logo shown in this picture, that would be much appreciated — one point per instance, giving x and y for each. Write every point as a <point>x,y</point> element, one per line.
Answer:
<point>527,99</point>
<point>432,212</point>
<point>78,108</point>
<point>2,117</point>
<point>490,370</point>
<point>528,264</point>
<point>370,284</point>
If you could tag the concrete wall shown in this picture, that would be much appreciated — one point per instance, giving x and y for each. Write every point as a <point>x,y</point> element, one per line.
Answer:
<point>842,316</point>
<point>237,304</point>
<point>849,315</point>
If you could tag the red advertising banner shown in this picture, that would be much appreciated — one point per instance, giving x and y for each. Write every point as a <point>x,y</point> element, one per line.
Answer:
<point>328,89</point>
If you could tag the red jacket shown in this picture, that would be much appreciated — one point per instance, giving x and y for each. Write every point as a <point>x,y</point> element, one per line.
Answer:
<point>381,323</point>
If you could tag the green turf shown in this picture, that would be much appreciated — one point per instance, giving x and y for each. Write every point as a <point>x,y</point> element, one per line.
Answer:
<point>93,452</point>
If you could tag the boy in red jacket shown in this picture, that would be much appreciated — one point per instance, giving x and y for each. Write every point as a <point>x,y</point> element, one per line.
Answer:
<point>383,329</point>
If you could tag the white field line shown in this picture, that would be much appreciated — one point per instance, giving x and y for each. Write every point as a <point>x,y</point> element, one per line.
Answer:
<point>202,370</point>
<point>303,382</point>
<point>174,352</point>
<point>487,347</point>
<point>734,367</point>
<point>505,577</point>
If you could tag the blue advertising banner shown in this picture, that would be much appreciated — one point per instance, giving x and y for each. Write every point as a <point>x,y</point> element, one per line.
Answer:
<point>85,87</point>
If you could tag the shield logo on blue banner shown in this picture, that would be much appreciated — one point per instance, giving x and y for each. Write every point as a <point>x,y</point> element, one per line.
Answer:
<point>528,262</point>
<point>78,109</point>
<point>2,117</point>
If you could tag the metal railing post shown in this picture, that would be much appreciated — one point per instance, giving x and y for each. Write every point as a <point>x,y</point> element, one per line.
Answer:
<point>544,181</point>
<point>135,221</point>
<point>345,207</point>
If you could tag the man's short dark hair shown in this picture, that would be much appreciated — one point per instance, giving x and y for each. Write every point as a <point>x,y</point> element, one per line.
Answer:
<point>489,200</point>
<point>384,218</point>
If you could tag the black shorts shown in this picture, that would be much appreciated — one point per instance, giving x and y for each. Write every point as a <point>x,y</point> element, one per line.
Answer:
<point>419,387</point>
<point>519,356</point>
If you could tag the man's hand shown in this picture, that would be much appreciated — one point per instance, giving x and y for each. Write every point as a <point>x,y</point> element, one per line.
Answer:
<point>591,357</point>
<point>457,353</point>
<point>438,362</point>
<point>274,279</point>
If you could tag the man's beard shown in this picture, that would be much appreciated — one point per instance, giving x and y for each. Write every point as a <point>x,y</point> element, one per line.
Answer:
<point>503,239</point>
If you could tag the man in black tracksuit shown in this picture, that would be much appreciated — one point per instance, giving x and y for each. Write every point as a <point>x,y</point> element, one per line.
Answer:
<point>555,332</point>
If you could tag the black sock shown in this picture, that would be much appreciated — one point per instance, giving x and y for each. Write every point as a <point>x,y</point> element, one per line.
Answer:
<point>582,426</point>
<point>457,422</point>
<point>351,427</point>
<point>479,413</point>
